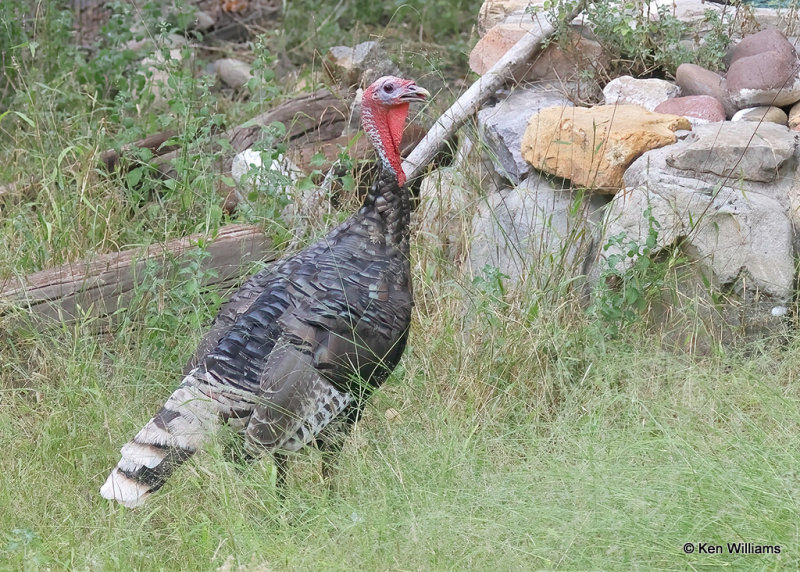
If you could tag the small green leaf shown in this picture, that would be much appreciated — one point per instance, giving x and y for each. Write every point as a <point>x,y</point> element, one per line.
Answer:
<point>134,177</point>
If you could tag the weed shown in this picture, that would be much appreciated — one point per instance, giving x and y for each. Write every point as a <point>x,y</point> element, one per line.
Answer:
<point>642,39</point>
<point>629,280</point>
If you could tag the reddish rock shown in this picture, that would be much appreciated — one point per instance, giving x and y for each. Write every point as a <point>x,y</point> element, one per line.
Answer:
<point>765,70</point>
<point>771,40</point>
<point>697,80</point>
<point>553,63</point>
<point>703,107</point>
<point>765,78</point>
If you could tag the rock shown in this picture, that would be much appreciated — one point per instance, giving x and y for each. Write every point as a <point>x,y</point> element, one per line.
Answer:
<point>697,108</point>
<point>736,151</point>
<point>766,78</point>
<point>361,64</point>
<point>794,117</point>
<point>769,114</point>
<point>249,161</point>
<point>157,71</point>
<point>736,236</point>
<point>558,62</point>
<point>593,147</point>
<point>503,126</point>
<point>533,233</point>
<point>697,80</point>
<point>770,40</point>
<point>204,21</point>
<point>233,73</point>
<point>647,93</point>
<point>492,12</point>
<point>738,245</point>
<point>443,214</point>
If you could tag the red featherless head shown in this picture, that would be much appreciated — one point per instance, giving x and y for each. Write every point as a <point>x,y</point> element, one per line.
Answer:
<point>384,109</point>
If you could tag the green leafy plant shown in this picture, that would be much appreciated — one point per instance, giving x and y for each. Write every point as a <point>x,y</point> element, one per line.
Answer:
<point>644,40</point>
<point>629,281</point>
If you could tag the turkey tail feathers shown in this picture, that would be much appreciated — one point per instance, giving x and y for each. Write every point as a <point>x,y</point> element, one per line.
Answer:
<point>180,428</point>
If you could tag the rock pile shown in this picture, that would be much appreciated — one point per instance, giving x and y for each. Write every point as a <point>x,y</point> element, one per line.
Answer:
<point>711,157</point>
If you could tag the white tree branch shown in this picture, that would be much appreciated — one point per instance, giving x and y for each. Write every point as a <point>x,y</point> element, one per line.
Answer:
<point>469,103</point>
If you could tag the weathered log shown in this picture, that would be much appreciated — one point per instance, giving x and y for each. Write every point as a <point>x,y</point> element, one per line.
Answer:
<point>311,118</point>
<point>100,285</point>
<point>155,143</point>
<point>477,94</point>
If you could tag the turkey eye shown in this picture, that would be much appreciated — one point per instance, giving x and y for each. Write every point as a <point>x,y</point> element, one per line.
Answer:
<point>388,88</point>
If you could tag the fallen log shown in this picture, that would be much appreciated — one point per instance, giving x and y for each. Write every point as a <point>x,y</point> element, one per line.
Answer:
<point>99,286</point>
<point>154,142</point>
<point>480,91</point>
<point>309,119</point>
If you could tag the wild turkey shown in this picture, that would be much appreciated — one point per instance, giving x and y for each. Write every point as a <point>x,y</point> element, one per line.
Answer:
<point>292,357</point>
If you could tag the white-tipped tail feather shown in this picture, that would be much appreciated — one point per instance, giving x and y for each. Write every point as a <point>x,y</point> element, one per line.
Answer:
<point>182,425</point>
<point>124,490</point>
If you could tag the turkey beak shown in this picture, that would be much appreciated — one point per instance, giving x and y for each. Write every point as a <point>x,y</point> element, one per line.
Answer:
<point>413,92</point>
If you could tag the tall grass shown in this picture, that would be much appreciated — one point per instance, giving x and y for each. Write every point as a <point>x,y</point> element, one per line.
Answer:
<point>493,457</point>
<point>514,435</point>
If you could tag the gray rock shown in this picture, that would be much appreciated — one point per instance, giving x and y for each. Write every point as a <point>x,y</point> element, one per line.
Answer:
<point>769,114</point>
<point>645,92</point>
<point>736,240</point>
<point>233,73</point>
<point>738,262</point>
<point>503,126</point>
<point>362,64</point>
<point>443,214</point>
<point>737,151</point>
<point>204,20</point>
<point>734,234</point>
<point>534,233</point>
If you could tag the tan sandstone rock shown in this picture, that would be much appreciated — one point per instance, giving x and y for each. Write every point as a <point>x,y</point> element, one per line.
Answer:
<point>592,147</point>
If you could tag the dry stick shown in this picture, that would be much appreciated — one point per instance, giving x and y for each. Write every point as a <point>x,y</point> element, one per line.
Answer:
<point>469,103</point>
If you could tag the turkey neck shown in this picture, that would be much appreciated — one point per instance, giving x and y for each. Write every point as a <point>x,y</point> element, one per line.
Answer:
<point>390,203</point>
<point>388,198</point>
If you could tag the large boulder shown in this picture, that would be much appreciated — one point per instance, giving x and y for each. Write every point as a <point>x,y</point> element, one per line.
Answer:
<point>592,147</point>
<point>534,232</point>
<point>697,80</point>
<point>561,62</point>
<point>443,215</point>
<point>734,229</point>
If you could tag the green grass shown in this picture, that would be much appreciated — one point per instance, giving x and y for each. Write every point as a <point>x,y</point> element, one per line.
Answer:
<point>639,453</point>
<point>525,439</point>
